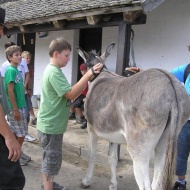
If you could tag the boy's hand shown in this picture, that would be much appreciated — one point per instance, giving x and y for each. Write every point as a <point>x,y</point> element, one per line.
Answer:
<point>29,92</point>
<point>14,148</point>
<point>16,114</point>
<point>96,69</point>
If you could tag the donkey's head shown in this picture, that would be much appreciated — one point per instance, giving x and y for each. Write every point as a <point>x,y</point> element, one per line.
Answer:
<point>92,58</point>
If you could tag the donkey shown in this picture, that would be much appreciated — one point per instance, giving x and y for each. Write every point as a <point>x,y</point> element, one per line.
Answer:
<point>146,111</point>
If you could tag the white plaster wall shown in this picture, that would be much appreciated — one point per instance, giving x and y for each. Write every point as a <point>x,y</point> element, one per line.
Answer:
<point>4,40</point>
<point>42,56</point>
<point>162,42</point>
<point>109,35</point>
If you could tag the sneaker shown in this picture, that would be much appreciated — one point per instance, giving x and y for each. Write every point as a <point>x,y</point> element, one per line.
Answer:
<point>23,162</point>
<point>72,116</point>
<point>25,157</point>
<point>34,121</point>
<point>29,138</point>
<point>56,186</point>
<point>179,186</point>
<point>84,125</point>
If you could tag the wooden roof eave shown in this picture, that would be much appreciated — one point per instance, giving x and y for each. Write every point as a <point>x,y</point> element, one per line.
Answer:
<point>77,14</point>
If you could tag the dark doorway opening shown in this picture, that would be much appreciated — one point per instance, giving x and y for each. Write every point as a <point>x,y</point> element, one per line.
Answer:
<point>90,39</point>
<point>27,43</point>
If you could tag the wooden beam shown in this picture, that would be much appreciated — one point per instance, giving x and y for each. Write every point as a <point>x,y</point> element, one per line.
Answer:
<point>92,20</point>
<point>59,23</point>
<point>123,50</point>
<point>98,11</point>
<point>107,18</point>
<point>22,28</point>
<point>131,16</point>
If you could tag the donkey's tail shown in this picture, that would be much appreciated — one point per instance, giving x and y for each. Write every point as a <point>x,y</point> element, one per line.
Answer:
<point>175,121</point>
<point>171,149</point>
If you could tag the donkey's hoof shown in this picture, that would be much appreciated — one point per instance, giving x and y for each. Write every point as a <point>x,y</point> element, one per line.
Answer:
<point>84,186</point>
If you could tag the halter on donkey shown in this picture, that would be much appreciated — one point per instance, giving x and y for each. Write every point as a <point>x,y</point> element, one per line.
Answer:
<point>146,111</point>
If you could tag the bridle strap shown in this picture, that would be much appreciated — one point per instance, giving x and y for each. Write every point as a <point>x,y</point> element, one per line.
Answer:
<point>94,76</point>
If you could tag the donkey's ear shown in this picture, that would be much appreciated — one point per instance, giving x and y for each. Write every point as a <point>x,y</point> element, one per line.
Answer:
<point>108,50</point>
<point>82,53</point>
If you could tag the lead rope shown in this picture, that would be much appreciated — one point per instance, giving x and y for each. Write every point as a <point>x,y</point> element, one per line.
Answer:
<point>132,51</point>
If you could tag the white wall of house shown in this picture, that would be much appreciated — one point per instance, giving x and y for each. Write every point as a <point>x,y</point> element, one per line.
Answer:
<point>42,56</point>
<point>162,42</point>
<point>109,35</point>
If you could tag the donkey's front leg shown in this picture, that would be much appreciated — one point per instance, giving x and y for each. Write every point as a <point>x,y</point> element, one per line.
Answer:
<point>92,158</point>
<point>113,159</point>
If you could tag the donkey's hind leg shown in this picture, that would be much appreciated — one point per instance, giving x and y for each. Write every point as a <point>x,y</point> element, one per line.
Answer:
<point>92,158</point>
<point>141,153</point>
<point>113,159</point>
<point>159,159</point>
<point>141,171</point>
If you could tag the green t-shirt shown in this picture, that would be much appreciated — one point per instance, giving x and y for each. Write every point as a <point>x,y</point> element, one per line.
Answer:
<point>13,75</point>
<point>3,97</point>
<point>54,113</point>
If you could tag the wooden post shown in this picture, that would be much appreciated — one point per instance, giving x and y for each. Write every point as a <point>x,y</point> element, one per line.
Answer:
<point>123,53</point>
<point>123,50</point>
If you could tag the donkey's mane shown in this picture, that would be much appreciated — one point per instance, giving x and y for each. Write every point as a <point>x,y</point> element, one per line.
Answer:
<point>92,54</point>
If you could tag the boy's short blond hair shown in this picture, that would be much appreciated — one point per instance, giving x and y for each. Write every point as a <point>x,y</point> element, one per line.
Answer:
<point>25,53</point>
<point>11,50</point>
<point>58,45</point>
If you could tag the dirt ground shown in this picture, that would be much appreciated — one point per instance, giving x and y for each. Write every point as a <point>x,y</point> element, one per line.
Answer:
<point>74,169</point>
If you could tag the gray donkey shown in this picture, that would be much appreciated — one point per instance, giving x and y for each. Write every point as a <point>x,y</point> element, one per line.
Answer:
<point>146,111</point>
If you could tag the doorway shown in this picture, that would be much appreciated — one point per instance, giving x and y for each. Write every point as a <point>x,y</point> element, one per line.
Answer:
<point>89,39</point>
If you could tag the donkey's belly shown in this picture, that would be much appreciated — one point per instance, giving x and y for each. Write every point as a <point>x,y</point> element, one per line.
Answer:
<point>115,137</point>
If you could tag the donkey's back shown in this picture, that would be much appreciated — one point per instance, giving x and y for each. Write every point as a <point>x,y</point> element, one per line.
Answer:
<point>145,98</point>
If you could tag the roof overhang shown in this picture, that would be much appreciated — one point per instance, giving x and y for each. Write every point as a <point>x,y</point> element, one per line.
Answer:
<point>41,16</point>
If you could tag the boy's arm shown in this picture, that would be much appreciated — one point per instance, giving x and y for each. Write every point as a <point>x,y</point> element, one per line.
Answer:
<point>10,140</point>
<point>13,101</point>
<point>80,85</point>
<point>27,74</point>
<point>27,78</point>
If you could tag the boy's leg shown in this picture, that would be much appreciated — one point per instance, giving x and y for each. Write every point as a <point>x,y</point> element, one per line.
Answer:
<point>31,111</point>
<point>47,181</point>
<point>20,129</point>
<point>183,149</point>
<point>27,109</point>
<point>77,105</point>
<point>20,140</point>
<point>72,112</point>
<point>52,157</point>
<point>79,112</point>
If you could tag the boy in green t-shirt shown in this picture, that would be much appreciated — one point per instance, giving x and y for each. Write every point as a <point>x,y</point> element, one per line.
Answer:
<point>14,88</point>
<point>54,113</point>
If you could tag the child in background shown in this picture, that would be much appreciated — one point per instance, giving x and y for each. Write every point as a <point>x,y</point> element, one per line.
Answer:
<point>27,57</point>
<point>23,69</point>
<point>76,105</point>
<point>14,88</point>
